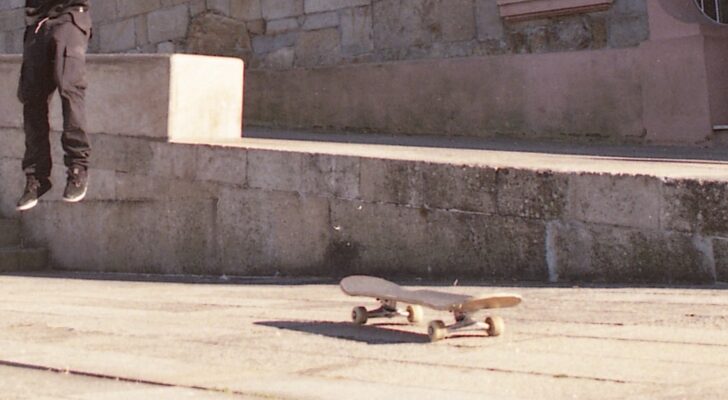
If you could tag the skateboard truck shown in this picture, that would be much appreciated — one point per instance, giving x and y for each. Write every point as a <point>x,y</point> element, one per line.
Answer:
<point>493,325</point>
<point>387,309</point>
<point>463,307</point>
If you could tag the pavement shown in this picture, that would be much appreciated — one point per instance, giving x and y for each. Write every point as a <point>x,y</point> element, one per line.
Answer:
<point>86,337</point>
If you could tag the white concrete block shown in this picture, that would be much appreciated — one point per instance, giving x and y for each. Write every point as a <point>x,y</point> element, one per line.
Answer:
<point>173,97</point>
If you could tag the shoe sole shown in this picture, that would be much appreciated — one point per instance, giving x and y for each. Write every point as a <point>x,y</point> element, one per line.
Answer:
<point>27,206</point>
<point>76,199</point>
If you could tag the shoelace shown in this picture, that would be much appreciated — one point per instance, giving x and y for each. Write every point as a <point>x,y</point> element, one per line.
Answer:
<point>32,185</point>
<point>74,176</point>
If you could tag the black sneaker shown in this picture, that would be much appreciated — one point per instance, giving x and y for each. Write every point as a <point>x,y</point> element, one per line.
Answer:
<point>34,188</point>
<point>76,185</point>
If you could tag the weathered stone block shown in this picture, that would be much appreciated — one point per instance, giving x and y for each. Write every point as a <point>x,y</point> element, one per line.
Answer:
<point>439,186</point>
<point>14,41</point>
<point>130,187</point>
<point>175,161</point>
<point>281,25</point>
<point>275,9</point>
<point>319,175</point>
<point>330,176</point>
<point>117,36</point>
<point>142,30</point>
<point>321,20</point>
<point>488,21</point>
<point>168,24</point>
<point>127,8</point>
<point>220,6</point>
<point>215,35</point>
<point>314,6</point>
<point>279,59</point>
<point>245,10</point>
<point>12,19</point>
<point>267,44</point>
<point>221,164</point>
<point>13,143</point>
<point>268,233</point>
<point>392,181</point>
<point>393,240</point>
<point>9,232</point>
<point>720,251</point>
<point>23,260</point>
<point>400,23</point>
<point>199,163</point>
<point>318,47</point>
<point>171,236</point>
<point>632,201</point>
<point>356,31</point>
<point>274,170</point>
<point>103,11</point>
<point>12,111</point>
<point>600,253</point>
<point>12,182</point>
<point>255,27</point>
<point>531,194</point>
<point>694,206</point>
<point>10,4</point>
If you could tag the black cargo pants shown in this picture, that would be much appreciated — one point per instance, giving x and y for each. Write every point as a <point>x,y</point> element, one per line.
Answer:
<point>54,57</point>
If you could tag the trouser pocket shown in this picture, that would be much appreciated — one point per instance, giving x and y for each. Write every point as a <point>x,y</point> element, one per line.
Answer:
<point>73,74</point>
<point>82,21</point>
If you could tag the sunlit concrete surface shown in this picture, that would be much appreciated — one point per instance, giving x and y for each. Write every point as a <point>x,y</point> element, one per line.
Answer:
<point>69,338</point>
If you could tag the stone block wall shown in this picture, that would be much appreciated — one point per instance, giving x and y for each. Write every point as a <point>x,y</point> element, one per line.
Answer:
<point>282,34</point>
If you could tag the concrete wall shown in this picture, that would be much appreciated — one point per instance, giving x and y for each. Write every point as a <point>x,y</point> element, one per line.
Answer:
<point>305,33</point>
<point>572,96</point>
<point>268,208</point>
<point>263,207</point>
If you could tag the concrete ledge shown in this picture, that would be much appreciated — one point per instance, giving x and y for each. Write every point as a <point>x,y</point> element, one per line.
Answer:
<point>268,207</point>
<point>158,96</point>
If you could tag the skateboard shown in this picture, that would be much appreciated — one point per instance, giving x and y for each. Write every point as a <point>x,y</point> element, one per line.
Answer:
<point>462,307</point>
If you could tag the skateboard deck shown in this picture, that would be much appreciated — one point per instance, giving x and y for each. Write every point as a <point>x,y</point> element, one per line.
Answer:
<point>462,306</point>
<point>369,286</point>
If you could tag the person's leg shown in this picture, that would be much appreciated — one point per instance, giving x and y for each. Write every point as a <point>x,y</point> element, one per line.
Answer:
<point>71,42</point>
<point>34,90</point>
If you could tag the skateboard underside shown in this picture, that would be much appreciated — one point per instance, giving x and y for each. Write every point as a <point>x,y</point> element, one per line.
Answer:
<point>437,329</point>
<point>462,307</point>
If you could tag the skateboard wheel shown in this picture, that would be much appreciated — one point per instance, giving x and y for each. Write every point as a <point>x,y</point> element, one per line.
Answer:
<point>436,330</point>
<point>496,326</point>
<point>359,315</point>
<point>414,314</point>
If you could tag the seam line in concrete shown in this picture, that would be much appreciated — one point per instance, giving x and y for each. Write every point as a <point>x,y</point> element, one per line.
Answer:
<point>94,375</point>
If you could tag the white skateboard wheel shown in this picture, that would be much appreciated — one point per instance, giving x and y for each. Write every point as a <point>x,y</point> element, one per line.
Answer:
<point>496,326</point>
<point>436,330</point>
<point>415,314</point>
<point>359,315</point>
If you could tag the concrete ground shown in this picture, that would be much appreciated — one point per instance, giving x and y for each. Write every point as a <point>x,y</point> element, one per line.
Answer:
<point>62,337</point>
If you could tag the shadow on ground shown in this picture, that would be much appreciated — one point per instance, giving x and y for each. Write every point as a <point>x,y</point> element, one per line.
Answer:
<point>372,334</point>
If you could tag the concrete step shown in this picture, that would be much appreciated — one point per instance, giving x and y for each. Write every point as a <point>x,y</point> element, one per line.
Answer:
<point>9,232</point>
<point>16,259</point>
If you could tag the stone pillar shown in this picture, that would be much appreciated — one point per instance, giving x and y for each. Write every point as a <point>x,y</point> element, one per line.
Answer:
<point>684,73</point>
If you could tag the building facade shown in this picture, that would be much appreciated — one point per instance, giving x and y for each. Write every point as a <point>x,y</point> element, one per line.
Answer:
<point>633,71</point>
